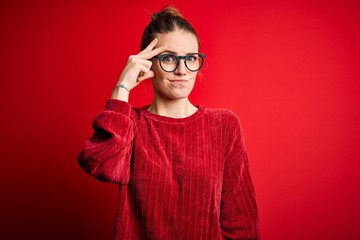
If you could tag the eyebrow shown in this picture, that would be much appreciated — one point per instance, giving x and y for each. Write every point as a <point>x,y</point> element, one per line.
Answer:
<point>175,53</point>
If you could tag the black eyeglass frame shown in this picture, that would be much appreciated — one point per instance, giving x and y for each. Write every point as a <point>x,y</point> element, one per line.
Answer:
<point>159,57</point>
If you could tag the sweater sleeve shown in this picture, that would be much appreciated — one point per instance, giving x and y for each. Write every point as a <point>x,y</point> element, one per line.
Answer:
<point>239,213</point>
<point>107,153</point>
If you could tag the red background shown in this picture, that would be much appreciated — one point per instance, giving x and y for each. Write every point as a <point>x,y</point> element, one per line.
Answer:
<point>290,70</point>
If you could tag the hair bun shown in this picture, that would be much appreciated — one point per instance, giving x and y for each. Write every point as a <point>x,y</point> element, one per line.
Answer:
<point>166,20</point>
<point>167,12</point>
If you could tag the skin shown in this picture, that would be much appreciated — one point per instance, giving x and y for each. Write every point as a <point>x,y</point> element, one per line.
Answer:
<point>171,90</point>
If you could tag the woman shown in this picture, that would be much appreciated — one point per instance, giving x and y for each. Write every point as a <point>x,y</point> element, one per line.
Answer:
<point>182,169</point>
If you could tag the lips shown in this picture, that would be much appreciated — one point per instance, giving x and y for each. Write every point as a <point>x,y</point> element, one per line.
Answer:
<point>178,80</point>
<point>178,83</point>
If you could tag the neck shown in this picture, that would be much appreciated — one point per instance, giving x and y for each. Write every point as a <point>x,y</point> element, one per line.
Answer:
<point>179,108</point>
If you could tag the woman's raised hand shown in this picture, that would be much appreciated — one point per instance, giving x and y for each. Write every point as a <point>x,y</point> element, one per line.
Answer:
<point>138,67</point>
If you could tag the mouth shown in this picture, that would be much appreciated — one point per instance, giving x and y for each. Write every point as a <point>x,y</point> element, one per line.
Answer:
<point>178,80</point>
<point>178,83</point>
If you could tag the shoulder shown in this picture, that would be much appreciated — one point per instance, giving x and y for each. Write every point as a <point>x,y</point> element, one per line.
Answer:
<point>223,114</point>
<point>227,120</point>
<point>137,112</point>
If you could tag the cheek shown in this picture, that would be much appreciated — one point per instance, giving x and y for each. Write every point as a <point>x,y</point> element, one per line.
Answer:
<point>193,77</point>
<point>159,75</point>
<point>157,70</point>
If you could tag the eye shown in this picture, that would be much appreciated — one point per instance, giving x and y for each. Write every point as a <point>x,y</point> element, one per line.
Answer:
<point>192,58</point>
<point>168,58</point>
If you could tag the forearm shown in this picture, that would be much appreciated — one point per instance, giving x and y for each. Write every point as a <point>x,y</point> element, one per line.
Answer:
<point>107,153</point>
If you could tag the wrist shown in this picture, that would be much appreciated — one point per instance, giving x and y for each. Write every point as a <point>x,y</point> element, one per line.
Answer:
<point>120,92</point>
<point>122,86</point>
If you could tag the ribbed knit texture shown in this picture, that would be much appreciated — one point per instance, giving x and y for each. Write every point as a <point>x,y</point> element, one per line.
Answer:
<point>182,178</point>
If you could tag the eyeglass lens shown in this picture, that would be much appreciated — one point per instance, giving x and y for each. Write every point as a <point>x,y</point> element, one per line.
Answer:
<point>169,62</point>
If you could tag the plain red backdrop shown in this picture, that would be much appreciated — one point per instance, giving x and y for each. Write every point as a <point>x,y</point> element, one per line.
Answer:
<point>289,69</point>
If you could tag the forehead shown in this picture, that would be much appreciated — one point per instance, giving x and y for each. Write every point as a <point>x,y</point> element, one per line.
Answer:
<point>178,41</point>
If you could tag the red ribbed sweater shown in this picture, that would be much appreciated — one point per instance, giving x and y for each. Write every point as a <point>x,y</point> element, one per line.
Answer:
<point>182,178</point>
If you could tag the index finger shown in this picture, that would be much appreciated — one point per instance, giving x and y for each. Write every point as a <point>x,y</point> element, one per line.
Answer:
<point>154,52</point>
<point>150,46</point>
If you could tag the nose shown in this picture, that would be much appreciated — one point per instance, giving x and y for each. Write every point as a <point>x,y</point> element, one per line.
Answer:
<point>181,69</point>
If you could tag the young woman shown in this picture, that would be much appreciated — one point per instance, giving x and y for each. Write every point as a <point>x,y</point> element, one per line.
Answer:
<point>182,170</point>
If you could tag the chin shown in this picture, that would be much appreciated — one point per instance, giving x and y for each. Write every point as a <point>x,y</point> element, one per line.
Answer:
<point>176,94</point>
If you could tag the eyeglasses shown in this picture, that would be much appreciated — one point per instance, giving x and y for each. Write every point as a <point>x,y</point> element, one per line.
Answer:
<point>170,62</point>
